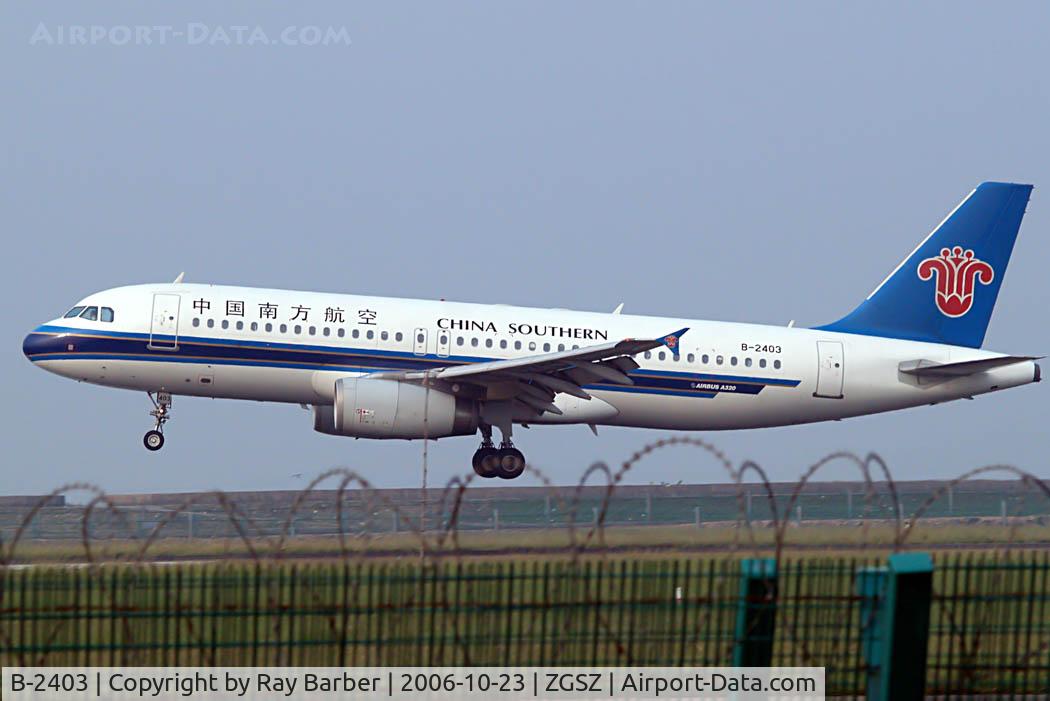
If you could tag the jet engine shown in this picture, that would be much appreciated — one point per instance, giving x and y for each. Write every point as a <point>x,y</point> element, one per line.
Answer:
<point>377,408</point>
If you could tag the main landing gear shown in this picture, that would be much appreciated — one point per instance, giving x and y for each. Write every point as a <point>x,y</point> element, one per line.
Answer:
<point>154,440</point>
<point>505,462</point>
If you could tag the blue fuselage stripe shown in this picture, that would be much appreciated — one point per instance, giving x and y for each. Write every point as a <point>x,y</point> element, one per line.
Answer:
<point>53,343</point>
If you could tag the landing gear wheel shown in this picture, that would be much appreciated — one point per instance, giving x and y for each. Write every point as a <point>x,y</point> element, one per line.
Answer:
<point>485,462</point>
<point>153,440</point>
<point>511,463</point>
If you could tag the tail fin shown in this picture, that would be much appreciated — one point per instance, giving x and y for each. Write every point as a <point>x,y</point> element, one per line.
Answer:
<point>945,290</point>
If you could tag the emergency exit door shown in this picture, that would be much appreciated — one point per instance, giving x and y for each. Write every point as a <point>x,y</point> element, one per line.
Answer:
<point>444,342</point>
<point>830,369</point>
<point>164,326</point>
<point>419,342</point>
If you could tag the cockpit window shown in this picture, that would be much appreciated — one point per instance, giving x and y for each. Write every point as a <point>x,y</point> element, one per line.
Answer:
<point>75,311</point>
<point>107,314</point>
<point>90,314</point>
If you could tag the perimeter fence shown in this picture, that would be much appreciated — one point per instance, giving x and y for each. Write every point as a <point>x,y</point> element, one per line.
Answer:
<point>961,624</point>
<point>988,616</point>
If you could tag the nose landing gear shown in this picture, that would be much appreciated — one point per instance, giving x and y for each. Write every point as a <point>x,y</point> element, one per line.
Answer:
<point>154,440</point>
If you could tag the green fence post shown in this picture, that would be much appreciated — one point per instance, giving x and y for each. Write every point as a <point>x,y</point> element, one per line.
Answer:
<point>895,625</point>
<point>871,587</point>
<point>756,613</point>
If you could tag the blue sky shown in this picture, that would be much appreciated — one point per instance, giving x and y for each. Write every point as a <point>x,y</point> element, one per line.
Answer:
<point>743,161</point>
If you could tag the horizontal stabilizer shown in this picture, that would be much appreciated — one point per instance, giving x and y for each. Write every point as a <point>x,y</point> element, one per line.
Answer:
<point>967,367</point>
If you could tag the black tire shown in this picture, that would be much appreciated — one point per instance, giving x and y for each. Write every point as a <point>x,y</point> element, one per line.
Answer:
<point>484,462</point>
<point>511,463</point>
<point>153,440</point>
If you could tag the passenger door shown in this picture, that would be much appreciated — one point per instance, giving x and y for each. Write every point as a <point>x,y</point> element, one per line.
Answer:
<point>830,370</point>
<point>164,325</point>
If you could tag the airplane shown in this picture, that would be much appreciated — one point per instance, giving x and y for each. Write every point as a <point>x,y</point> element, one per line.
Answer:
<point>386,368</point>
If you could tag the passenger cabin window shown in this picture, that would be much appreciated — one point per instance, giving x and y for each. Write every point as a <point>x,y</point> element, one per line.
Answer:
<point>776,364</point>
<point>90,313</point>
<point>74,312</point>
<point>107,314</point>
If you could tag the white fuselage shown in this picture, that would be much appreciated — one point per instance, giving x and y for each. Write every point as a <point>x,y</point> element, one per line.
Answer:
<point>285,346</point>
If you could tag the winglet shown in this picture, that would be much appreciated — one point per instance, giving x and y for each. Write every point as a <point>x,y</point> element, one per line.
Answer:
<point>177,280</point>
<point>671,340</point>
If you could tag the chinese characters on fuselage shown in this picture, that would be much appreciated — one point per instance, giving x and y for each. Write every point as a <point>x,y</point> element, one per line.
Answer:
<point>295,312</point>
<point>370,317</point>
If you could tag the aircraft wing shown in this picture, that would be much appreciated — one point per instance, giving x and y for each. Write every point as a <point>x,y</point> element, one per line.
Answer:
<point>967,367</point>
<point>535,380</point>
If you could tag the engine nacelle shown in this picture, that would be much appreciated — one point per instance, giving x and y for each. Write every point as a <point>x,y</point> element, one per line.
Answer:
<point>375,408</point>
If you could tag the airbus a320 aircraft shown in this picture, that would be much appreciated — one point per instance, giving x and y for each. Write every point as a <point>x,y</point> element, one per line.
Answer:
<point>376,367</point>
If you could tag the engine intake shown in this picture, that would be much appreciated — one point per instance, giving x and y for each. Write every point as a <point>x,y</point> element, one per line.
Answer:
<point>375,408</point>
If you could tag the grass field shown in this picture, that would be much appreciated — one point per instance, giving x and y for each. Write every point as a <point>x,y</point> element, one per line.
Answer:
<point>841,538</point>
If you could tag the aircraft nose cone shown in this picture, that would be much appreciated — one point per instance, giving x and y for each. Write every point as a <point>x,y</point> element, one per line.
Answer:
<point>34,344</point>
